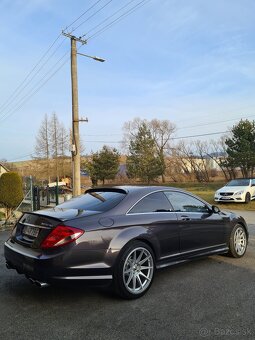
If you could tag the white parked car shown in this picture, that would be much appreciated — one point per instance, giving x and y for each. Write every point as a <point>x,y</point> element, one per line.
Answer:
<point>237,190</point>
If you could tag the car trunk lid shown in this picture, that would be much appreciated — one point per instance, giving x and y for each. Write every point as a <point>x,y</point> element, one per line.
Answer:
<point>33,228</point>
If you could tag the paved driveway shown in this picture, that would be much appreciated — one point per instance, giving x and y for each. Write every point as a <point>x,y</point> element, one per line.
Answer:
<point>209,298</point>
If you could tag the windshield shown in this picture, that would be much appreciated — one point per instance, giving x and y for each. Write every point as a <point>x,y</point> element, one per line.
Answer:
<point>100,201</point>
<point>238,183</point>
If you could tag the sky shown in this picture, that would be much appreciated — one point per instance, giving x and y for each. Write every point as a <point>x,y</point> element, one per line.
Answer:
<point>190,62</point>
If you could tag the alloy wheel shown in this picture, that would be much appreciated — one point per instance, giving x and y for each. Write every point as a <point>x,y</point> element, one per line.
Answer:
<point>240,241</point>
<point>138,270</point>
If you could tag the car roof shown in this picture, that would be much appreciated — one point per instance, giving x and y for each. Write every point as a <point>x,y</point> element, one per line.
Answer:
<point>134,193</point>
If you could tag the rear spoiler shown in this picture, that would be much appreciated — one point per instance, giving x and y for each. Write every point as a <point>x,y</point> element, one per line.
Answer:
<point>119,190</point>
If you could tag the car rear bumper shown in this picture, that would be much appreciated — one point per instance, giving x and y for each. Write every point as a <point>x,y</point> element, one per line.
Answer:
<point>51,268</point>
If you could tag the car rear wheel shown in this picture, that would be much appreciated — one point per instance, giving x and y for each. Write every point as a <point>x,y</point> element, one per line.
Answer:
<point>238,241</point>
<point>247,197</point>
<point>134,270</point>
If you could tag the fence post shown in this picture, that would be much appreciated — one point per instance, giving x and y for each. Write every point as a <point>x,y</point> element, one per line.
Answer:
<point>56,192</point>
<point>48,195</point>
<point>31,193</point>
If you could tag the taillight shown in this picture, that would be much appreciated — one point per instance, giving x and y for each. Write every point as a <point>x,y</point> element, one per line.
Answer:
<point>60,236</point>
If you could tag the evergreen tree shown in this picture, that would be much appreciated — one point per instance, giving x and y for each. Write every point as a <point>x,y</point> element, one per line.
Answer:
<point>103,165</point>
<point>143,160</point>
<point>241,147</point>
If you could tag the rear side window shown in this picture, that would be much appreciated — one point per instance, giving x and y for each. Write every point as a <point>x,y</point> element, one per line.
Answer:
<point>156,202</point>
<point>100,201</point>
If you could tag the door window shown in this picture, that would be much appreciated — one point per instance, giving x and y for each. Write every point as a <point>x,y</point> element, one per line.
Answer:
<point>153,203</point>
<point>185,203</point>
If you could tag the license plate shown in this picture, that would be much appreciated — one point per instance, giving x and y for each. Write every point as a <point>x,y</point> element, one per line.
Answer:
<point>226,198</point>
<point>31,231</point>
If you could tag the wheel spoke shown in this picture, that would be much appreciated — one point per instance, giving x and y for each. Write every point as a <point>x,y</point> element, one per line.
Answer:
<point>147,278</point>
<point>140,256</point>
<point>134,282</point>
<point>129,278</point>
<point>134,258</point>
<point>145,267</point>
<point>139,281</point>
<point>127,270</point>
<point>144,260</point>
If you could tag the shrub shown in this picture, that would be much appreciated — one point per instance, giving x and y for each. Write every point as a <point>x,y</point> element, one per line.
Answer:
<point>11,193</point>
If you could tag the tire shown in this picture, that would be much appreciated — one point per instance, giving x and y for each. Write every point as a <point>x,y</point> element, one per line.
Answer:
<point>134,270</point>
<point>238,241</point>
<point>247,197</point>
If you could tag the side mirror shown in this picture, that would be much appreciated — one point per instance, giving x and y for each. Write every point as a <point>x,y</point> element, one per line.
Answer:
<point>215,209</point>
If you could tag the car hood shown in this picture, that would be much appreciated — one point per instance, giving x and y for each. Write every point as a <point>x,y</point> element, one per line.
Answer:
<point>232,189</point>
<point>66,214</point>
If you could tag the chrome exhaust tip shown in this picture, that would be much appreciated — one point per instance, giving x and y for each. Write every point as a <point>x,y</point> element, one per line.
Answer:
<point>41,284</point>
<point>38,283</point>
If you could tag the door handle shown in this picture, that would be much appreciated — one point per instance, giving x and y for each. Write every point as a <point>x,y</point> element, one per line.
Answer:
<point>185,218</point>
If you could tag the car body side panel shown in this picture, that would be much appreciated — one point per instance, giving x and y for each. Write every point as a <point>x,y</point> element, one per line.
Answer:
<point>159,229</point>
<point>201,230</point>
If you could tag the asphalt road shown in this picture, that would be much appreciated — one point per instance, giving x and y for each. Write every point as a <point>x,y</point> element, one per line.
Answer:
<point>209,298</point>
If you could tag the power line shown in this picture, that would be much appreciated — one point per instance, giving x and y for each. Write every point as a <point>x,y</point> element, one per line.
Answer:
<point>202,135</point>
<point>33,77</point>
<point>25,98</point>
<point>120,9</point>
<point>120,142</point>
<point>28,79</point>
<point>99,10</point>
<point>181,128</point>
<point>108,26</point>
<point>28,96</point>
<point>173,138</point>
<point>77,19</point>
<point>28,75</point>
<point>212,123</point>
<point>20,157</point>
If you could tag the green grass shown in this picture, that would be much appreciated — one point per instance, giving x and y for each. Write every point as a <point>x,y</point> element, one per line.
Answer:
<point>207,190</point>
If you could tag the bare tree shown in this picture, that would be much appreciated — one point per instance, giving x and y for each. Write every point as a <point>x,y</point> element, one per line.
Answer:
<point>55,136</point>
<point>190,158</point>
<point>51,149</point>
<point>162,132</point>
<point>201,166</point>
<point>218,154</point>
<point>177,165</point>
<point>42,146</point>
<point>63,148</point>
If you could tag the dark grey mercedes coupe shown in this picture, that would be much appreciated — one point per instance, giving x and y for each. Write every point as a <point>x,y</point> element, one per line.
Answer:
<point>121,235</point>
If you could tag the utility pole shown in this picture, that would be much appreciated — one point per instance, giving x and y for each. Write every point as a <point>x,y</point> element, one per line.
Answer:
<point>76,161</point>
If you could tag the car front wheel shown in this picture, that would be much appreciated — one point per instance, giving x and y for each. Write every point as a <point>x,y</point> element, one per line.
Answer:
<point>134,270</point>
<point>238,241</point>
<point>247,197</point>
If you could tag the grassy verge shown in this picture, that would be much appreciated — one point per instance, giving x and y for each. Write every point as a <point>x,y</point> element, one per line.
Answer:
<point>207,190</point>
